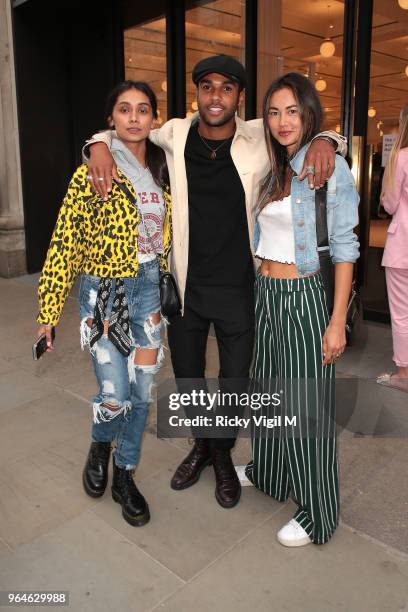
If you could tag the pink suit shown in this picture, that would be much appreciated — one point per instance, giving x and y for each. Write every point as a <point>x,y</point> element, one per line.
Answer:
<point>395,258</point>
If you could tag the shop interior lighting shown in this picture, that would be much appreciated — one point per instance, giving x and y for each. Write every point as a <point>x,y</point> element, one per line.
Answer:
<point>328,48</point>
<point>320,84</point>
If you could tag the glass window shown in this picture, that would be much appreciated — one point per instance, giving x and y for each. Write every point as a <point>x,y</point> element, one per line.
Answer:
<point>388,94</point>
<point>305,37</point>
<point>212,28</point>
<point>145,59</point>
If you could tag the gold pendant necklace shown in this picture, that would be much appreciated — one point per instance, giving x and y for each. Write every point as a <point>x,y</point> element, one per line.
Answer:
<point>213,151</point>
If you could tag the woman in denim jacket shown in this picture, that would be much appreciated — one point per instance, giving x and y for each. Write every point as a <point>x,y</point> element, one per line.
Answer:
<point>297,342</point>
<point>118,246</point>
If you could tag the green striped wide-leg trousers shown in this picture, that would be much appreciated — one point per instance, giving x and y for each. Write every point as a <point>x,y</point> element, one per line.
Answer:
<point>300,461</point>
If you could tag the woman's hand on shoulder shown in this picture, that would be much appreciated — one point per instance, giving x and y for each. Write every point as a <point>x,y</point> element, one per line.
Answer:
<point>102,169</point>
<point>334,341</point>
<point>46,329</point>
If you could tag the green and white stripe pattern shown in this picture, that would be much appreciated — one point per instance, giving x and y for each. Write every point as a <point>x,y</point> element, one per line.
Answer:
<point>291,318</point>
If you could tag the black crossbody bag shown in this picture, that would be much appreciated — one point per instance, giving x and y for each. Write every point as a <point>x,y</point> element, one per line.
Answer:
<point>327,267</point>
<point>170,303</point>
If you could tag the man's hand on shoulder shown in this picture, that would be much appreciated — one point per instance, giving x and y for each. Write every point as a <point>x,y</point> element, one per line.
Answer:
<point>102,169</point>
<point>319,164</point>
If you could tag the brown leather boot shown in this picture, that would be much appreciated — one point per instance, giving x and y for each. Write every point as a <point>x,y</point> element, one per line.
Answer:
<point>189,470</point>
<point>228,487</point>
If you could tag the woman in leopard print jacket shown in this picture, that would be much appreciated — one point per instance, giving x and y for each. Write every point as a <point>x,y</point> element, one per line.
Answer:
<point>118,246</point>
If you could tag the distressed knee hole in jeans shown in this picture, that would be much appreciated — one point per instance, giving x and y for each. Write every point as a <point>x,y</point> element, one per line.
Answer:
<point>152,329</point>
<point>146,368</point>
<point>148,358</point>
<point>109,408</point>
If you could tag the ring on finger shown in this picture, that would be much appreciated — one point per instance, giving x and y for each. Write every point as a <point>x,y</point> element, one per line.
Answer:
<point>100,178</point>
<point>310,169</point>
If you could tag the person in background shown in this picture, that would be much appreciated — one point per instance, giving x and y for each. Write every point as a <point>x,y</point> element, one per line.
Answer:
<point>119,299</point>
<point>296,341</point>
<point>394,197</point>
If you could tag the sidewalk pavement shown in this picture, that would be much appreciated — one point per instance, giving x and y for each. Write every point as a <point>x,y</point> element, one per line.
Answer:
<point>193,555</point>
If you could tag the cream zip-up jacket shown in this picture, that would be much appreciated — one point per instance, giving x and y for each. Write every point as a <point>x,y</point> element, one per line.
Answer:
<point>248,152</point>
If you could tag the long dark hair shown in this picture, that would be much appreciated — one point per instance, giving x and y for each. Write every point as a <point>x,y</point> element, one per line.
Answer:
<point>155,157</point>
<point>311,114</point>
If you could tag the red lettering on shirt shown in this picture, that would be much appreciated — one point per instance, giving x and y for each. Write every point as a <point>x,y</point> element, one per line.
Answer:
<point>143,197</point>
<point>155,197</point>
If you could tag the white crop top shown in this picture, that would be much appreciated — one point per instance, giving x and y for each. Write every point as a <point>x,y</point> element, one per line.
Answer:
<point>277,239</point>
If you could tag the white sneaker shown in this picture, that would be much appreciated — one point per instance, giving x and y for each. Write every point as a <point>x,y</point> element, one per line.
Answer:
<point>240,470</point>
<point>292,534</point>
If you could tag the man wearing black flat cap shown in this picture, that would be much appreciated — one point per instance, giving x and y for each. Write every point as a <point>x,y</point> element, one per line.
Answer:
<point>220,64</point>
<point>216,162</point>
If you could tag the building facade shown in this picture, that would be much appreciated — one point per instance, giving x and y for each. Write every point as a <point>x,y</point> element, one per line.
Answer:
<point>58,61</point>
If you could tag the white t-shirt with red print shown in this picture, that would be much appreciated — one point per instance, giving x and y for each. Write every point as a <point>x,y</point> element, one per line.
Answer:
<point>151,204</point>
<point>149,200</point>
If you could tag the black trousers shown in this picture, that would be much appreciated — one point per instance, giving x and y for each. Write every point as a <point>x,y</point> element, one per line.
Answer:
<point>231,310</point>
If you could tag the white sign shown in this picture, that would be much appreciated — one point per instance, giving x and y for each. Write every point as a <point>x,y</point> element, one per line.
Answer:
<point>388,143</point>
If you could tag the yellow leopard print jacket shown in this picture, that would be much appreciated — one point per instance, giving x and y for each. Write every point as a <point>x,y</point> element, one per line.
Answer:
<point>92,237</point>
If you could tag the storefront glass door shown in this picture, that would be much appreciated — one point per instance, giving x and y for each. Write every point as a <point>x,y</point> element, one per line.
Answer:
<point>388,94</point>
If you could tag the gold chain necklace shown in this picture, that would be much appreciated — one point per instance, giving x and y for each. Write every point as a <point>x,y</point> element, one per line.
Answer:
<point>213,151</point>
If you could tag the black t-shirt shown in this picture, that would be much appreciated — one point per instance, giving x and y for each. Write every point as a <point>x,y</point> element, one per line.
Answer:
<point>219,250</point>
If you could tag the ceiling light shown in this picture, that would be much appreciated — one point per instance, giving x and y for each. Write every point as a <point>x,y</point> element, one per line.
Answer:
<point>406,70</point>
<point>327,48</point>
<point>372,112</point>
<point>194,105</point>
<point>320,84</point>
<point>164,86</point>
<point>403,4</point>
<point>338,128</point>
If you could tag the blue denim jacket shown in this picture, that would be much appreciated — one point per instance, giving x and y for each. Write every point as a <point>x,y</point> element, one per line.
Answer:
<point>342,217</point>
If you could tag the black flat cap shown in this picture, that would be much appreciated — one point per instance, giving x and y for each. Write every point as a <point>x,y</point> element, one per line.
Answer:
<point>222,64</point>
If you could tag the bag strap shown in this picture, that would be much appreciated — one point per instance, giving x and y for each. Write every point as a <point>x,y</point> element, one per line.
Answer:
<point>323,249</point>
<point>322,233</point>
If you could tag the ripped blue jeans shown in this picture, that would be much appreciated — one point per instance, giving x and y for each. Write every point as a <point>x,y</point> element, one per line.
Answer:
<point>121,406</point>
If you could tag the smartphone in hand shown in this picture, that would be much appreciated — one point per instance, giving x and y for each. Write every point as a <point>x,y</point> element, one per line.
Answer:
<point>40,345</point>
